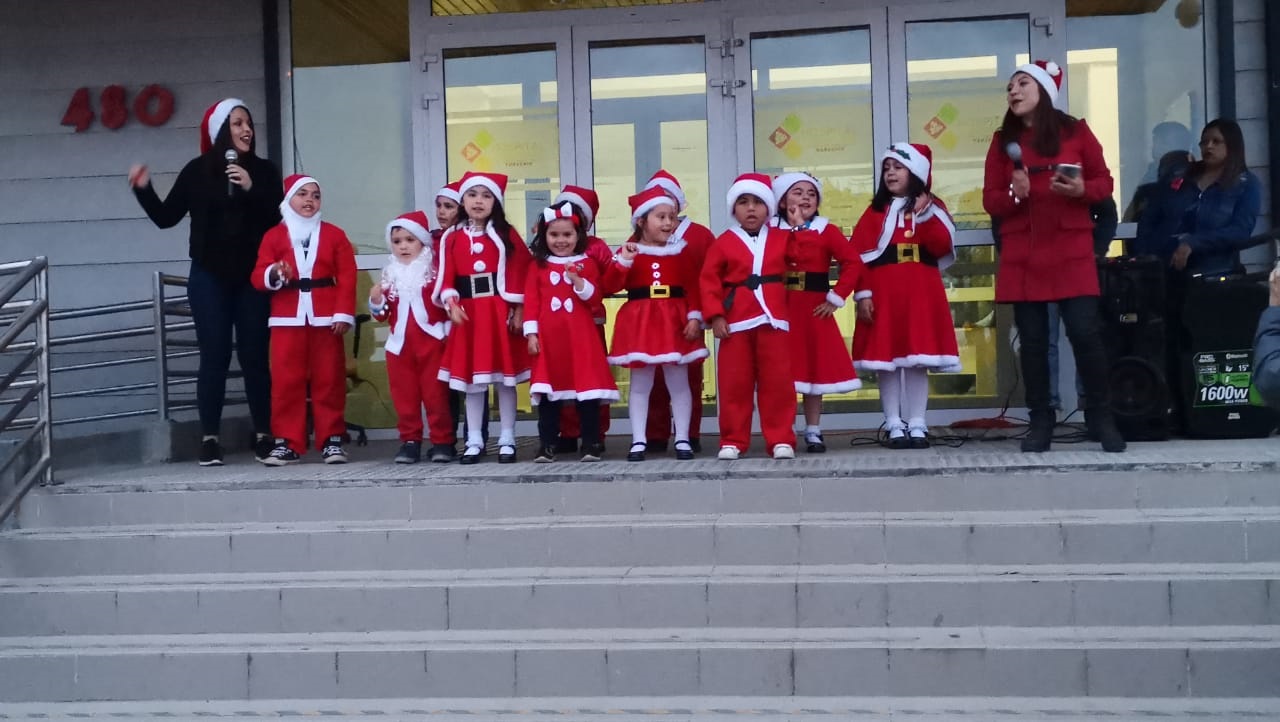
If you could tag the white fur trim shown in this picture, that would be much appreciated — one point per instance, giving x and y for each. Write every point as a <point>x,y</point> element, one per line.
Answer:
<point>667,185</point>
<point>624,262</point>
<point>1044,78</point>
<point>941,364</point>
<point>579,202</point>
<point>916,163</point>
<point>566,260</point>
<point>670,249</point>
<point>834,299</point>
<point>343,318</point>
<point>891,218</point>
<point>480,382</point>
<point>530,328</point>
<point>694,316</point>
<point>293,189</point>
<point>451,194</point>
<point>761,320</point>
<point>220,113</point>
<point>817,224</point>
<point>422,234</point>
<point>936,211</point>
<point>783,183</point>
<point>483,182</point>
<point>649,205</point>
<point>587,289</point>
<point>751,187</point>
<point>540,391</point>
<point>841,387</point>
<point>861,295</point>
<point>756,246</point>
<point>659,359</point>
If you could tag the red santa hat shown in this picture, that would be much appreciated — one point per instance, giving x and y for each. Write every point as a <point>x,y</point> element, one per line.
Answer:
<point>294,183</point>
<point>585,199</point>
<point>496,183</point>
<point>414,222</point>
<point>450,191</point>
<point>917,157</point>
<point>669,185</point>
<point>783,183</point>
<point>755,184</point>
<point>214,118</point>
<point>646,200</point>
<point>1048,74</point>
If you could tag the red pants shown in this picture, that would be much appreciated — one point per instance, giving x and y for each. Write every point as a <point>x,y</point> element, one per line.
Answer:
<point>303,356</point>
<point>412,374</point>
<point>658,427</point>
<point>569,426</point>
<point>756,362</point>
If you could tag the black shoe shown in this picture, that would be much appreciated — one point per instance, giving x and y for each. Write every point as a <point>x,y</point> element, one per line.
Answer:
<point>684,450</point>
<point>918,438</point>
<point>696,444</point>
<point>281,455</point>
<point>636,453</point>
<point>468,457</point>
<point>1102,426</point>
<point>898,438</point>
<point>410,452</point>
<point>546,455</point>
<point>507,454</point>
<point>332,452</point>
<point>443,453</point>
<point>262,446</point>
<point>657,446</point>
<point>211,453</point>
<point>815,444</point>
<point>567,445</point>
<point>1040,434</point>
<point>593,452</point>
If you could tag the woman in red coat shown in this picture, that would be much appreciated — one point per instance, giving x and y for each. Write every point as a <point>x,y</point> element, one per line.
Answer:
<point>1043,171</point>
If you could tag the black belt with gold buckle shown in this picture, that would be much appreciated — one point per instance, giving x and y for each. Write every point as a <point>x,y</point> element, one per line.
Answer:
<point>479,285</point>
<point>904,253</point>
<point>306,284</point>
<point>808,281</point>
<point>656,291</point>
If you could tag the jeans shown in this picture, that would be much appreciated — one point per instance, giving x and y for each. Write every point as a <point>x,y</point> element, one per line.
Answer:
<point>1055,325</point>
<point>1080,317</point>
<point>217,307</point>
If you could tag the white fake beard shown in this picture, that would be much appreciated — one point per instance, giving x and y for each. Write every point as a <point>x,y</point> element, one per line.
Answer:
<point>299,228</point>
<point>400,277</point>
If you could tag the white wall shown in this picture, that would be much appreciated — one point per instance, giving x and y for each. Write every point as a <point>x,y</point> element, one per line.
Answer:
<point>63,194</point>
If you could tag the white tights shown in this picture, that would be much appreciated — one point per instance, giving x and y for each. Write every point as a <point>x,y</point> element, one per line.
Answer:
<point>677,379</point>
<point>904,393</point>
<point>506,416</point>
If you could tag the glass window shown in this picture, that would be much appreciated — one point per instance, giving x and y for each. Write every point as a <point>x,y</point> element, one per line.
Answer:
<point>500,117</point>
<point>1142,98</point>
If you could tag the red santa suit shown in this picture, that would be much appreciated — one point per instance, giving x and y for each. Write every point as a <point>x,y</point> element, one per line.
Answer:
<point>476,268</point>
<point>415,344</point>
<point>570,364</point>
<point>304,350</point>
<point>649,328</point>
<point>742,280</point>
<point>904,254</point>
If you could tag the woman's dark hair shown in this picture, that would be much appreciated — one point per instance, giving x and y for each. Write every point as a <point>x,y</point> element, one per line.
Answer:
<point>883,197</point>
<point>1234,166</point>
<point>538,247</point>
<point>215,160</point>
<point>1048,126</point>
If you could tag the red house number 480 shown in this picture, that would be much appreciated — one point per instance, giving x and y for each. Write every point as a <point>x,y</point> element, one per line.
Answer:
<point>153,106</point>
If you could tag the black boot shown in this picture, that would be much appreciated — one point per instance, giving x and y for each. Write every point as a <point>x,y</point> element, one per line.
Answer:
<point>1040,433</point>
<point>1101,425</point>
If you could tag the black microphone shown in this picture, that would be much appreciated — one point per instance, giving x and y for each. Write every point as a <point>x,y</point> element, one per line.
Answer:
<point>1014,151</point>
<point>231,156</point>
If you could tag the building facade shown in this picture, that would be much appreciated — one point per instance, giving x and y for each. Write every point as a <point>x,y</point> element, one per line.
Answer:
<point>384,101</point>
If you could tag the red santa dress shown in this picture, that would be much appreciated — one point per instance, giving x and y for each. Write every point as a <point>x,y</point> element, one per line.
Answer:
<point>662,287</point>
<point>904,254</point>
<point>570,364</point>
<point>820,360</point>
<point>476,268</point>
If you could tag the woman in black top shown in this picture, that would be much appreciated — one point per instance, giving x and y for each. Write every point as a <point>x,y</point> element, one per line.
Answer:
<point>232,202</point>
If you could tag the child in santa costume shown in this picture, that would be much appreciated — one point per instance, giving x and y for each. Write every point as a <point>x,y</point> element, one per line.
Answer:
<point>480,281</point>
<point>698,238</point>
<point>416,342</point>
<point>904,325</point>
<point>820,361</point>
<point>310,268</point>
<point>587,202</point>
<point>659,326</point>
<point>745,301</point>
<point>448,215</point>
<point>568,361</point>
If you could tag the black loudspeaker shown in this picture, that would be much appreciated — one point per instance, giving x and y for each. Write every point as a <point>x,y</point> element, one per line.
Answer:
<point>1133,329</point>
<point>1219,318</point>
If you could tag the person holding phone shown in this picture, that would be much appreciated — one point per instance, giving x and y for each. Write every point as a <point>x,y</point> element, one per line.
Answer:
<point>1043,171</point>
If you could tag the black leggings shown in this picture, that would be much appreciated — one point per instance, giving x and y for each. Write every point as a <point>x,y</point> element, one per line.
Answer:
<point>218,307</point>
<point>549,422</point>
<point>1083,325</point>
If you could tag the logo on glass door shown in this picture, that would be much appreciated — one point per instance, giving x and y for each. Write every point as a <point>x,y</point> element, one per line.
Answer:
<point>938,126</point>
<point>781,136</point>
<point>476,146</point>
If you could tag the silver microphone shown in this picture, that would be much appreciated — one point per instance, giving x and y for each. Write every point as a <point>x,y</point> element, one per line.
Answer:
<point>231,156</point>
<point>1014,151</point>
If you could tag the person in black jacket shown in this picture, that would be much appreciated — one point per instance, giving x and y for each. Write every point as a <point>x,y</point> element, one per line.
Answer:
<point>233,198</point>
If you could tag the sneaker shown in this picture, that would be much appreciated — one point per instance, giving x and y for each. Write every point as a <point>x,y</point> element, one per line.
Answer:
<point>443,453</point>
<point>211,453</point>
<point>784,451</point>
<point>332,452</point>
<point>281,455</point>
<point>262,446</point>
<point>728,453</point>
<point>546,455</point>
<point>410,452</point>
<point>593,452</point>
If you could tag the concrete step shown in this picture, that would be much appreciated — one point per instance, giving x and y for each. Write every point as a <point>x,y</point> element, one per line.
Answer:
<point>674,709</point>
<point>908,662</point>
<point>165,498</point>
<point>1101,536</point>
<point>576,598</point>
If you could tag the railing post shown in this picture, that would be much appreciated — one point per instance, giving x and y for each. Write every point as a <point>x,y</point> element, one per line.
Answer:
<point>162,348</point>
<point>43,374</point>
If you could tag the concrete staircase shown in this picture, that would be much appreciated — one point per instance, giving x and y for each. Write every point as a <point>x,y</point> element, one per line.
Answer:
<point>1126,594</point>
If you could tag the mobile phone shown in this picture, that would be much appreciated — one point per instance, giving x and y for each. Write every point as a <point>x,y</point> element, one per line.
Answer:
<point>1069,170</point>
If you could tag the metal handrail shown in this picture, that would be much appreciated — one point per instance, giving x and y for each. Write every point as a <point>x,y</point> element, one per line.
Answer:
<point>35,313</point>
